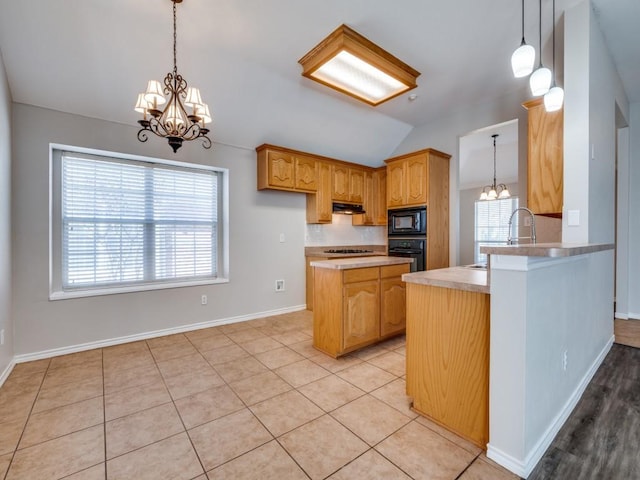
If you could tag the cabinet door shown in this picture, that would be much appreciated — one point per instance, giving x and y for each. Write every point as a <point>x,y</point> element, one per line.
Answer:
<point>361,313</point>
<point>319,207</point>
<point>380,197</point>
<point>305,174</point>
<point>545,160</point>
<point>416,180</point>
<point>281,170</point>
<point>393,315</point>
<point>395,184</point>
<point>340,191</point>
<point>368,203</point>
<point>356,185</point>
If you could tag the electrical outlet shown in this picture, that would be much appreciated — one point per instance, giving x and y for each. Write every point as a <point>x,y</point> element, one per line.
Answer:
<point>279,285</point>
<point>203,300</point>
<point>2,337</point>
<point>282,238</point>
<point>565,358</point>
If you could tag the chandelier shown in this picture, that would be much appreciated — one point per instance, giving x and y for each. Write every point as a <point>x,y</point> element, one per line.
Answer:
<point>493,191</point>
<point>185,115</point>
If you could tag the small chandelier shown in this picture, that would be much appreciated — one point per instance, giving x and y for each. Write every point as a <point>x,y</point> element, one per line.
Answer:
<point>493,191</point>
<point>173,123</point>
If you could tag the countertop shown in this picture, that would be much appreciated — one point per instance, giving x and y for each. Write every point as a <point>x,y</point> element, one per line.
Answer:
<point>321,251</point>
<point>547,249</point>
<point>360,262</point>
<point>459,278</point>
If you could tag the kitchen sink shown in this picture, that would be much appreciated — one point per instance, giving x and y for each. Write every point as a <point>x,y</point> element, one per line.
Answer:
<point>477,266</point>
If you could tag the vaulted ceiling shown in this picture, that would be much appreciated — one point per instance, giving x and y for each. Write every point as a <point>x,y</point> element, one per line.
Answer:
<point>92,57</point>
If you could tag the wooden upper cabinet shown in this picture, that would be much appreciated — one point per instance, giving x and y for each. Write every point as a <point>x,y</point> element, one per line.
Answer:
<point>283,169</point>
<point>356,185</point>
<point>375,199</point>
<point>319,205</point>
<point>348,184</point>
<point>395,184</point>
<point>544,159</point>
<point>416,180</point>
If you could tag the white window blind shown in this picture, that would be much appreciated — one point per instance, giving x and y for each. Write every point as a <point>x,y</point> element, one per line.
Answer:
<point>492,223</point>
<point>126,222</point>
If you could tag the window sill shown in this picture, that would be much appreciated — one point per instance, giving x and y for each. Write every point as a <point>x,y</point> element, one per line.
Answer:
<point>94,292</point>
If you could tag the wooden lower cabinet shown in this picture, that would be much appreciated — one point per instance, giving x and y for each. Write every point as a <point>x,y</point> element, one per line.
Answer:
<point>356,307</point>
<point>448,358</point>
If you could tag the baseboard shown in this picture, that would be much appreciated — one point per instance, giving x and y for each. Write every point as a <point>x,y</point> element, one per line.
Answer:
<point>28,357</point>
<point>524,468</point>
<point>7,371</point>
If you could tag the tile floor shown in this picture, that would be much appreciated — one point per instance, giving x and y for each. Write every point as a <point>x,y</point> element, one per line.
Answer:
<point>251,400</point>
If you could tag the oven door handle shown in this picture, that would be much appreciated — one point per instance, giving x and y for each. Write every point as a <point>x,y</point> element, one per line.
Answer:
<point>408,252</point>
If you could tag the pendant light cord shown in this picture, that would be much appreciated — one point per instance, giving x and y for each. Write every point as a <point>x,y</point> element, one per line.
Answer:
<point>523,42</point>
<point>540,32</point>
<point>495,135</point>
<point>553,52</point>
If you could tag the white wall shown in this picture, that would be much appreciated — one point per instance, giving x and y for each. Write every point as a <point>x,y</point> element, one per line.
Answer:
<point>6,350</point>
<point>257,258</point>
<point>634,216</point>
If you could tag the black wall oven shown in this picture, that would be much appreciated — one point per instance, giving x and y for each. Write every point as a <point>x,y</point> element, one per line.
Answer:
<point>407,222</point>
<point>410,248</point>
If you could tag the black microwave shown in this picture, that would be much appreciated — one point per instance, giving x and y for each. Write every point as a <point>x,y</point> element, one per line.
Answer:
<point>407,221</point>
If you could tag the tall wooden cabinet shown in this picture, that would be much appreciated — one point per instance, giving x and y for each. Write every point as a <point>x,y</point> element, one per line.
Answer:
<point>422,178</point>
<point>544,159</point>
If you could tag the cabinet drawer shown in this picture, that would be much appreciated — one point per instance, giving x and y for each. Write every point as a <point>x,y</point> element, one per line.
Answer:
<point>394,270</point>
<point>360,275</point>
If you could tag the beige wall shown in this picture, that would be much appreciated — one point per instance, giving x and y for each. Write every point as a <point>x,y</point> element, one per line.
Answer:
<point>257,258</point>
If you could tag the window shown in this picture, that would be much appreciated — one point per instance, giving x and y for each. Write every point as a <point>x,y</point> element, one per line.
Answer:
<point>126,224</point>
<point>492,224</point>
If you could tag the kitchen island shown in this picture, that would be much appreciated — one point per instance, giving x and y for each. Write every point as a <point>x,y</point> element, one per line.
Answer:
<point>357,302</point>
<point>448,349</point>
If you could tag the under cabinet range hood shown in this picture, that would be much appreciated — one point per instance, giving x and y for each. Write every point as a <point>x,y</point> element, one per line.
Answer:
<point>347,208</point>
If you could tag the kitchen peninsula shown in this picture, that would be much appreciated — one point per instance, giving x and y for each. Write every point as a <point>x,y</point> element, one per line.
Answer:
<point>357,302</point>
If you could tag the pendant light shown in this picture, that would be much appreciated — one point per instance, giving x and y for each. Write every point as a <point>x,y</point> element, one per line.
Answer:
<point>493,191</point>
<point>524,56</point>
<point>540,80</point>
<point>554,98</point>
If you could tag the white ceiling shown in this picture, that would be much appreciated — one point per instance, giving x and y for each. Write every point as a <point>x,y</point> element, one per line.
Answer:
<point>92,57</point>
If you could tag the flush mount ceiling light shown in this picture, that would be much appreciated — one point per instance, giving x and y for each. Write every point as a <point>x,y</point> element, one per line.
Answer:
<point>173,123</point>
<point>524,57</point>
<point>493,191</point>
<point>540,80</point>
<point>554,98</point>
<point>348,62</point>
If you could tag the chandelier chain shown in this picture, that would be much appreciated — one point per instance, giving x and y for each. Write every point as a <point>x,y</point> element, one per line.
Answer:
<point>175,39</point>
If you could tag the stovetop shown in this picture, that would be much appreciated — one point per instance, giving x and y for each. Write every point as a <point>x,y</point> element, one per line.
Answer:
<point>348,250</point>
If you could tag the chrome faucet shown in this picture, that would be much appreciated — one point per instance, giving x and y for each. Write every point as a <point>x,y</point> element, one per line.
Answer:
<point>511,240</point>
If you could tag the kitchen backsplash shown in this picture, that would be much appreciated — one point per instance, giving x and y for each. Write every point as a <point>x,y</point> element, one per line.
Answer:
<point>340,232</point>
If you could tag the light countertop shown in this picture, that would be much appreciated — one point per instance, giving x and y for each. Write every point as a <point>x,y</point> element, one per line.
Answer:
<point>547,249</point>
<point>459,278</point>
<point>360,262</point>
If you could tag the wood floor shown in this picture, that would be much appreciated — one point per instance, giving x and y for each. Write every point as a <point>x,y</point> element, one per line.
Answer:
<point>601,438</point>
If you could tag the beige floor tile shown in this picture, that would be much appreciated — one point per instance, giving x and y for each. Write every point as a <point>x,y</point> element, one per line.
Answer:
<point>279,357</point>
<point>221,355</point>
<point>5,460</point>
<point>394,394</point>
<point>401,351</point>
<point>76,359</point>
<point>20,384</point>
<point>97,472</point>
<point>304,348</point>
<point>302,372</point>
<point>170,459</point>
<point>366,377</point>
<point>392,362</point>
<point>134,359</point>
<point>395,342</point>
<point>481,470</point>
<point>235,327</point>
<point>211,342</point>
<point>240,369</point>
<point>132,400</point>
<point>259,387</point>
<point>140,429</point>
<point>115,380</point>
<point>28,368</point>
<point>61,395</point>
<point>268,462</point>
<point>203,333</point>
<point>10,433</point>
<point>15,408</point>
<point>182,365</point>
<point>125,348</point>
<point>422,453</point>
<point>335,365</point>
<point>289,338</point>
<point>338,446</point>
<point>173,351</point>
<point>330,392</point>
<point>194,382</point>
<point>90,370</point>
<point>461,442</point>
<point>368,353</point>
<point>260,345</point>
<point>168,340</point>
<point>208,405</point>
<point>228,437</point>
<point>372,466</point>
<point>371,419</point>
<point>60,421</point>
<point>246,335</point>
<point>285,412</point>
<point>59,457</point>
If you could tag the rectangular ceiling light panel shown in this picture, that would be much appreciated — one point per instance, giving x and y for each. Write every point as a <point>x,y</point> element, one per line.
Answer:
<point>348,62</point>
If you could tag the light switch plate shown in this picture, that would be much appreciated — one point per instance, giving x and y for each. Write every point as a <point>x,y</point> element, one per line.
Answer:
<point>573,218</point>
